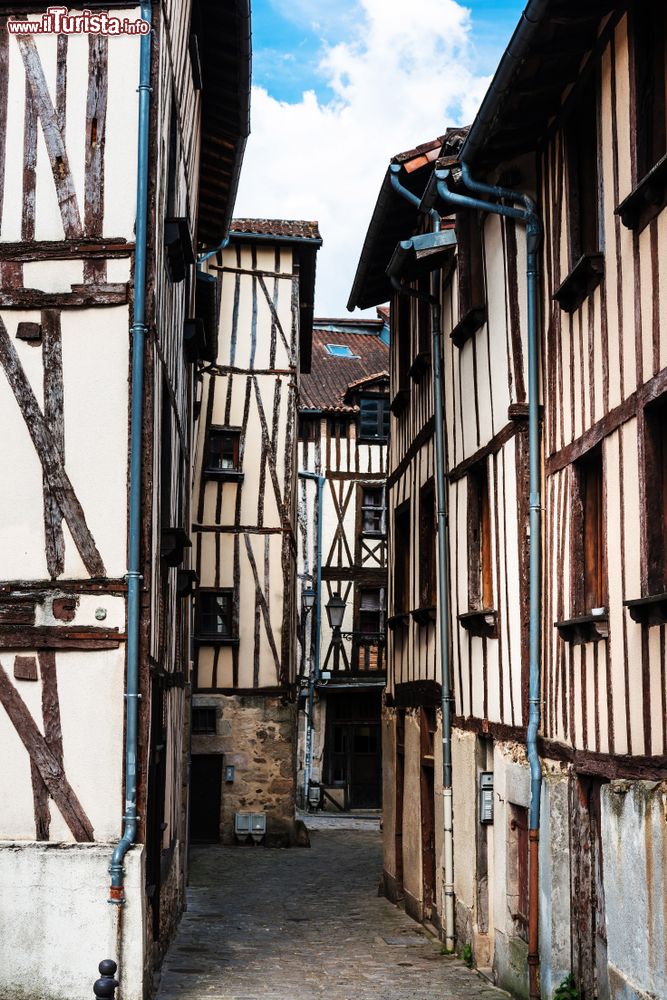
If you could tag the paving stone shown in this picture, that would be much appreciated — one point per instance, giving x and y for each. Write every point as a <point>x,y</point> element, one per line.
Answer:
<point>305,924</point>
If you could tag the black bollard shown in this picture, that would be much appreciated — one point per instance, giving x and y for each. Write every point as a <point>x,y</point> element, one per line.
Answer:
<point>105,987</point>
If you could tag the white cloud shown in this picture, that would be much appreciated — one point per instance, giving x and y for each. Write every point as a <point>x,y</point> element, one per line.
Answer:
<point>405,75</point>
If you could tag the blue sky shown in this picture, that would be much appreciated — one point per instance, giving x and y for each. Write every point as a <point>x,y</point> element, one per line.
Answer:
<point>339,86</point>
<point>287,43</point>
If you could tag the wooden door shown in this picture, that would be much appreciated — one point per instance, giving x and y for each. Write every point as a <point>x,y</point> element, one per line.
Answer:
<point>365,766</point>
<point>427,790</point>
<point>205,798</point>
<point>589,939</point>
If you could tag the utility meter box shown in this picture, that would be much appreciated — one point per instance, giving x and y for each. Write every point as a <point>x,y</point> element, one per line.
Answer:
<point>486,797</point>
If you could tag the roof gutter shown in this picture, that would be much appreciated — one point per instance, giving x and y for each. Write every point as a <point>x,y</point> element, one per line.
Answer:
<point>275,238</point>
<point>515,52</point>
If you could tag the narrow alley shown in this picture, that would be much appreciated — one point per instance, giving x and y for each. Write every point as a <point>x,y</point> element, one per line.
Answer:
<point>305,924</point>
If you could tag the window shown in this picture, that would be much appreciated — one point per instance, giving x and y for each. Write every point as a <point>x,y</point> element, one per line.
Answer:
<point>373,511</point>
<point>402,559</point>
<point>371,611</point>
<point>424,315</point>
<point>655,478</point>
<point>166,458</point>
<point>215,613</point>
<point>309,428</point>
<point>338,426</point>
<point>403,345</point>
<point>650,40</point>
<point>373,418</point>
<point>222,453</point>
<point>470,265</point>
<point>589,588</point>
<point>203,720</point>
<point>427,547</point>
<point>584,188</point>
<point>340,351</point>
<point>480,573</point>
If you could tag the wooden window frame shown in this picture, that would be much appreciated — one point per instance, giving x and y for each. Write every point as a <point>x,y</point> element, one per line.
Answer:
<point>582,135</point>
<point>234,471</point>
<point>216,638</point>
<point>365,506</point>
<point>381,610</point>
<point>589,570</point>
<point>428,562</point>
<point>309,427</point>
<point>647,31</point>
<point>402,561</point>
<point>401,352</point>
<point>480,542</point>
<point>649,26</point>
<point>379,435</point>
<point>338,426</point>
<point>584,177</point>
<point>424,316</point>
<point>655,496</point>
<point>471,283</point>
<point>199,713</point>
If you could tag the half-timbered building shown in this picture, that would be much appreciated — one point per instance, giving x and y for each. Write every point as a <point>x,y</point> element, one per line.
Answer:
<point>102,139</point>
<point>575,119</point>
<point>245,535</point>
<point>342,546</point>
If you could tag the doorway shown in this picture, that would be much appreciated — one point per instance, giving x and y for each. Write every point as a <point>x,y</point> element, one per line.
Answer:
<point>589,940</point>
<point>205,798</point>
<point>353,752</point>
<point>427,795</point>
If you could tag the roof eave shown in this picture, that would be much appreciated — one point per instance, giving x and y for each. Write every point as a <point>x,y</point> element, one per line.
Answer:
<point>216,201</point>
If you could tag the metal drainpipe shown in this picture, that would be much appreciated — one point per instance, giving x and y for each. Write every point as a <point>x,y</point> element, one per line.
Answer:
<point>314,674</point>
<point>528,216</point>
<point>443,575</point>
<point>116,869</point>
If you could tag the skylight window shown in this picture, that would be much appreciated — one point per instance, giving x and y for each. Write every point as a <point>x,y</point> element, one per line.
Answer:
<point>341,351</point>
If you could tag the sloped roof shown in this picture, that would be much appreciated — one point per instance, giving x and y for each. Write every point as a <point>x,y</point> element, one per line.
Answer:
<point>395,219</point>
<point>543,59</point>
<point>330,378</point>
<point>289,228</point>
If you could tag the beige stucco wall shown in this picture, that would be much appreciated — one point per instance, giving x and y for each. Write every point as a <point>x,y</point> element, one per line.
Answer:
<point>412,827</point>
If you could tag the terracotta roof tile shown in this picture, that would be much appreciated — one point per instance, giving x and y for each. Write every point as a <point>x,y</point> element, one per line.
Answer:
<point>330,378</point>
<point>294,228</point>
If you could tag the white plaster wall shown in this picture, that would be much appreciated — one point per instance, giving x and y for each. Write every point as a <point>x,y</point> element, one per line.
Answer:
<point>56,924</point>
<point>121,135</point>
<point>463,781</point>
<point>95,368</point>
<point>90,687</point>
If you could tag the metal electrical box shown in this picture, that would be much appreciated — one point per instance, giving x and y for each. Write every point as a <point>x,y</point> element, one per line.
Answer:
<point>486,797</point>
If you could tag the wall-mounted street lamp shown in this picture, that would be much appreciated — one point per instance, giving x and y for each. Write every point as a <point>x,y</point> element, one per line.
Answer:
<point>308,599</point>
<point>335,613</point>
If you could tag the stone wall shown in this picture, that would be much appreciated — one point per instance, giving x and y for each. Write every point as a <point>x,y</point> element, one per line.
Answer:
<point>634,846</point>
<point>257,735</point>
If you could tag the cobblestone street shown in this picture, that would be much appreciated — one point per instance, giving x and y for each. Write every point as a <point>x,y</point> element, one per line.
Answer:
<point>305,925</point>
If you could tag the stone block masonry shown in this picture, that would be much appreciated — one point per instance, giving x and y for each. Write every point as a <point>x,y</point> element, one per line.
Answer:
<point>256,734</point>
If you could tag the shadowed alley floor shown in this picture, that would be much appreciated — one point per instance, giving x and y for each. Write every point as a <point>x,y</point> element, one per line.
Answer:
<point>305,925</point>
